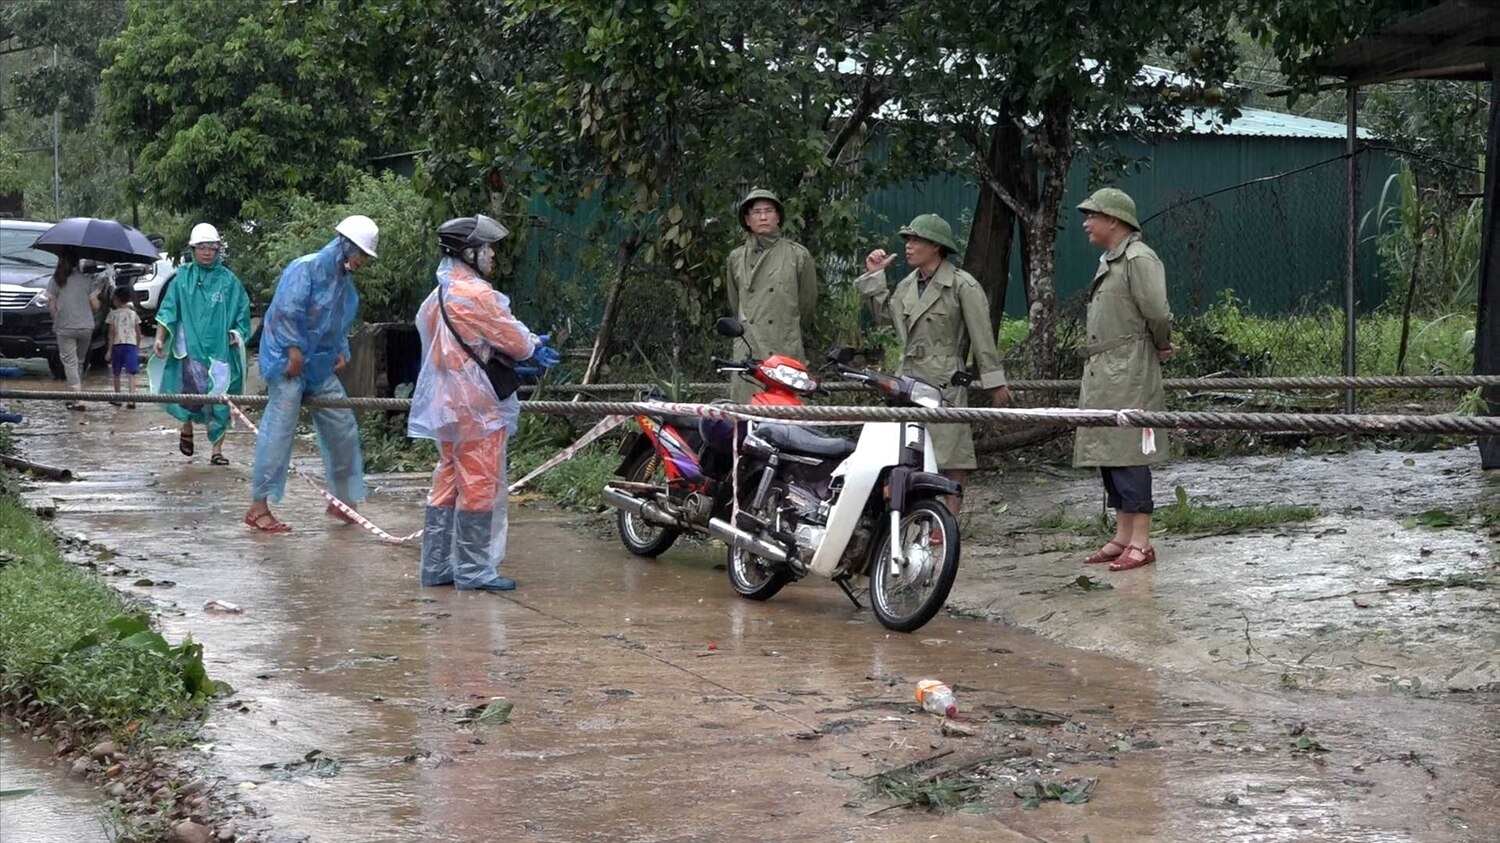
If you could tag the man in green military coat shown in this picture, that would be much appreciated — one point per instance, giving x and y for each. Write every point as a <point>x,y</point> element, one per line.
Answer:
<point>1129,338</point>
<point>941,316</point>
<point>772,285</point>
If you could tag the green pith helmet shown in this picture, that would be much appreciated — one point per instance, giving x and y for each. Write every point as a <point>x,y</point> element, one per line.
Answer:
<point>1112,202</point>
<point>754,196</point>
<point>933,228</point>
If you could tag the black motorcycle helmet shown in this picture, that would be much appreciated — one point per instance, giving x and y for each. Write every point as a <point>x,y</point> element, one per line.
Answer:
<point>463,236</point>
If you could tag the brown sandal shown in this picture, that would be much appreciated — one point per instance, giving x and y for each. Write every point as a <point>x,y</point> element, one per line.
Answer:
<point>1104,555</point>
<point>1134,557</point>
<point>265,522</point>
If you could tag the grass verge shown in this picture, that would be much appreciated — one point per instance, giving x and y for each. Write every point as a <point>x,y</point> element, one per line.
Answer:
<point>1186,518</point>
<point>72,650</point>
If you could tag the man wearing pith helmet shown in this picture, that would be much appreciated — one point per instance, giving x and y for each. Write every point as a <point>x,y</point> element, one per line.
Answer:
<point>772,285</point>
<point>942,317</point>
<point>1129,338</point>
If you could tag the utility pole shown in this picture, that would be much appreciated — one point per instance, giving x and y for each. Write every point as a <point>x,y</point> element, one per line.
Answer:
<point>56,152</point>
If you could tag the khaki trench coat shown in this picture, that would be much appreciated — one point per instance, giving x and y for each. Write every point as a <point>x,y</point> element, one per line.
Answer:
<point>939,328</point>
<point>773,291</point>
<point>1128,320</point>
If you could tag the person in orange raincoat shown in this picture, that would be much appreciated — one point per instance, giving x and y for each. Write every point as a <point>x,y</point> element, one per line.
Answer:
<point>462,322</point>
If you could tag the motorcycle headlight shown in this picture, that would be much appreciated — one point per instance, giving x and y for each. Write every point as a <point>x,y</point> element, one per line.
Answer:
<point>926,395</point>
<point>794,378</point>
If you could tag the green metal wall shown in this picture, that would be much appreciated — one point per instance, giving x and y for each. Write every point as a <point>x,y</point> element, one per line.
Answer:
<point>1280,245</point>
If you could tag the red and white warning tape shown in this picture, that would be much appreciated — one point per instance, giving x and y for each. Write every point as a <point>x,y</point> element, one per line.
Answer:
<point>604,426</point>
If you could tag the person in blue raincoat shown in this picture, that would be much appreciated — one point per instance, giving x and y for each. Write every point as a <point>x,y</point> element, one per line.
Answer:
<point>464,535</point>
<point>304,344</point>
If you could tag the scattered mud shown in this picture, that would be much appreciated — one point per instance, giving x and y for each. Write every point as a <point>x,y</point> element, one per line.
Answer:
<point>57,808</point>
<point>1362,598</point>
<point>651,704</point>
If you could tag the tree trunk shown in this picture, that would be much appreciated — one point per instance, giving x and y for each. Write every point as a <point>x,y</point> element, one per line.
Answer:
<point>628,247</point>
<point>994,230</point>
<point>1054,158</point>
<point>1411,284</point>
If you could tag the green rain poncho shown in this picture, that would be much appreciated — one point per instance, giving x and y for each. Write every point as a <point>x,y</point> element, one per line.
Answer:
<point>199,312</point>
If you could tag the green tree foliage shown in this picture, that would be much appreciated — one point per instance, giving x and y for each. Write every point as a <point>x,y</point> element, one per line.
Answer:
<point>77,28</point>
<point>392,285</point>
<point>229,110</point>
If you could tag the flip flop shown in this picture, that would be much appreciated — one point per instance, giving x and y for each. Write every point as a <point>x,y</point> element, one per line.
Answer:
<point>1134,557</point>
<point>185,443</point>
<point>265,522</point>
<point>219,459</point>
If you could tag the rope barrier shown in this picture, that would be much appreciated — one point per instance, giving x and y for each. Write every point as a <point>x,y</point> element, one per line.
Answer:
<point>1019,417</point>
<point>1320,382</point>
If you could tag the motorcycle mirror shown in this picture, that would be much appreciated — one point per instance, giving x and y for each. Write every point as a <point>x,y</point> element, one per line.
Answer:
<point>961,378</point>
<point>841,354</point>
<point>729,327</point>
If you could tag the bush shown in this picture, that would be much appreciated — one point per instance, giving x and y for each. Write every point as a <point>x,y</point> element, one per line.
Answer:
<point>391,286</point>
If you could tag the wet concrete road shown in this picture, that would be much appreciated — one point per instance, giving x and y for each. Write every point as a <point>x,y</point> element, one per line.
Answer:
<point>627,726</point>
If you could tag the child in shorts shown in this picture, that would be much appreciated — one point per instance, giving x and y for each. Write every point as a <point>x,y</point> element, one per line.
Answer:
<point>124,342</point>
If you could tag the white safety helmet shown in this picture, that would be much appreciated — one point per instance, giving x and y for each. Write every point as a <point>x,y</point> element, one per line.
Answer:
<point>204,235</point>
<point>362,232</point>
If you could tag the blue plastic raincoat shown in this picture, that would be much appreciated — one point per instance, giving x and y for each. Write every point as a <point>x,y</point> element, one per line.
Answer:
<point>314,307</point>
<point>200,311</point>
<point>467,511</point>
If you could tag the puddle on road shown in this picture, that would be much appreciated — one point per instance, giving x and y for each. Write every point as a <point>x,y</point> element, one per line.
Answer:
<point>59,809</point>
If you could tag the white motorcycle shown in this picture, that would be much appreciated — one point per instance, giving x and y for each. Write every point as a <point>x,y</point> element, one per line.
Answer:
<point>839,509</point>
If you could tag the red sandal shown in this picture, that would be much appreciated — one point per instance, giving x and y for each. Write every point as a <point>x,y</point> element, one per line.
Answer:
<point>1134,557</point>
<point>265,522</point>
<point>1104,555</point>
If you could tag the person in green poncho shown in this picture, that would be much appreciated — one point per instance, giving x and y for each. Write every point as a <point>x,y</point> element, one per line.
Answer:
<point>202,325</point>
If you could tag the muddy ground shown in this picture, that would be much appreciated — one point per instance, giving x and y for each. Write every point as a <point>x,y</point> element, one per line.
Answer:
<point>650,704</point>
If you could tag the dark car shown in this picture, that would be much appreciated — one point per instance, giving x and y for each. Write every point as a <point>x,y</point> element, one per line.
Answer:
<point>25,323</point>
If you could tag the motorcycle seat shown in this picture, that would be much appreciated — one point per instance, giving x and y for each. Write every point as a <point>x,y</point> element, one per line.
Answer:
<point>800,440</point>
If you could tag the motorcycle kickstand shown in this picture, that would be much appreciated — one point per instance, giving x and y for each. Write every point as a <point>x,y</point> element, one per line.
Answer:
<point>848,592</point>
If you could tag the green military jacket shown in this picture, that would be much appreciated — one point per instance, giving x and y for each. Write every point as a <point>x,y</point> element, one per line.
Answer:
<point>773,291</point>
<point>939,328</point>
<point>1128,320</point>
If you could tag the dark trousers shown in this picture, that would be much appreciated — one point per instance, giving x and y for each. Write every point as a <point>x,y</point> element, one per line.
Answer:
<point>1128,488</point>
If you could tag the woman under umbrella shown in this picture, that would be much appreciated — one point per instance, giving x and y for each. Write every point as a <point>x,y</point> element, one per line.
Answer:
<point>73,299</point>
<point>202,325</point>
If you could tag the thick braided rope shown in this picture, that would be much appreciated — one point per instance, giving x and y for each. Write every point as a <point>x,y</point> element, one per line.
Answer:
<point>1019,417</point>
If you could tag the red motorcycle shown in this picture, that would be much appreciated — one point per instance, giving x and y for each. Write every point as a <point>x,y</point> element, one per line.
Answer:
<point>675,473</point>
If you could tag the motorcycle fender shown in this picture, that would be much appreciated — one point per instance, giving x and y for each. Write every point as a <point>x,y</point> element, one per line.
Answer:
<point>630,448</point>
<point>906,483</point>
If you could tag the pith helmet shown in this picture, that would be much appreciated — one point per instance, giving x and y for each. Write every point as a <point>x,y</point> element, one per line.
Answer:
<point>756,195</point>
<point>1112,202</point>
<point>931,227</point>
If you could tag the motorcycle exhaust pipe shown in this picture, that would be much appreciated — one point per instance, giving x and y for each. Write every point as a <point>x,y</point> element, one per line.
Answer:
<point>643,509</point>
<point>732,535</point>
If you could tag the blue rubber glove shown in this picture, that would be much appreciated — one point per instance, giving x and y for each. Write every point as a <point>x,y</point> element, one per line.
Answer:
<point>529,370</point>
<point>543,339</point>
<point>546,357</point>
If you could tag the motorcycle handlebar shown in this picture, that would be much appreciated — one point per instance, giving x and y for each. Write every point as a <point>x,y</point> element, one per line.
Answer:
<point>723,363</point>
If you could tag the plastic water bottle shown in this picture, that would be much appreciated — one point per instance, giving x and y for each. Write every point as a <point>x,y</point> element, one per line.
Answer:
<point>936,698</point>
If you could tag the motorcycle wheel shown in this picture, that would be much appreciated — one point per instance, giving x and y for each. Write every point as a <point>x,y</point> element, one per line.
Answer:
<point>754,578</point>
<point>905,597</point>
<point>640,536</point>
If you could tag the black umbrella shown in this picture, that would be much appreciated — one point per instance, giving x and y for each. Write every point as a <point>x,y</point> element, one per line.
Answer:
<point>101,240</point>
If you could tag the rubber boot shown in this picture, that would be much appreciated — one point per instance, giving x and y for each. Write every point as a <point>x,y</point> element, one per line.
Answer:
<point>437,547</point>
<point>472,568</point>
